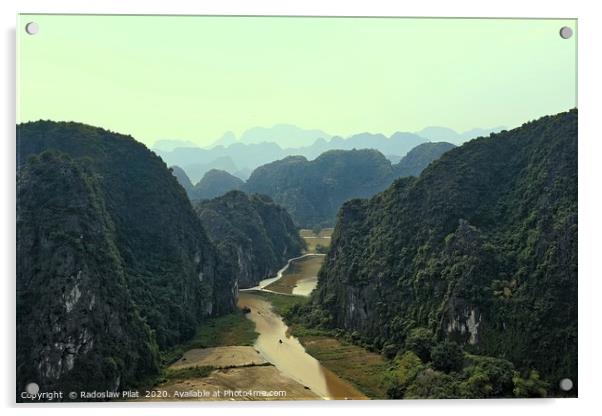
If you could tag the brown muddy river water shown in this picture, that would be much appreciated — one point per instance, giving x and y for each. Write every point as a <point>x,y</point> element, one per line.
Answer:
<point>278,347</point>
<point>298,277</point>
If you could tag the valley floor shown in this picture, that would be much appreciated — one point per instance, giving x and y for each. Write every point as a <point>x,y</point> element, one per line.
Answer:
<point>358,366</point>
<point>225,371</point>
<point>258,357</point>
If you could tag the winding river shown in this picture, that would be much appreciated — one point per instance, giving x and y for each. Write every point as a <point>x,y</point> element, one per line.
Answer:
<point>287,354</point>
<point>306,284</point>
<point>284,351</point>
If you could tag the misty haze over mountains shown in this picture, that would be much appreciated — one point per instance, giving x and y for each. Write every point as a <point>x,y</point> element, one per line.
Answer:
<point>312,191</point>
<point>260,145</point>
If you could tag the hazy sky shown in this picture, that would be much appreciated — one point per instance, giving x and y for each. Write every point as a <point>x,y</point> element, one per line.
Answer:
<point>194,78</point>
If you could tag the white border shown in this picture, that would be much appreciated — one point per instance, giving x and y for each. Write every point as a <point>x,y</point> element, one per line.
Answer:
<point>590,211</point>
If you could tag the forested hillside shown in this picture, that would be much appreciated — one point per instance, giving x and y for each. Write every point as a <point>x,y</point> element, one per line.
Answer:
<point>314,190</point>
<point>182,178</point>
<point>480,250</point>
<point>112,260</point>
<point>258,235</point>
<point>215,183</point>
<point>419,158</point>
<point>75,313</point>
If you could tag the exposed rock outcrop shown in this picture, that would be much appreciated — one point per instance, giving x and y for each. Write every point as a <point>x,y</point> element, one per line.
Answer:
<point>255,233</point>
<point>112,262</point>
<point>481,248</point>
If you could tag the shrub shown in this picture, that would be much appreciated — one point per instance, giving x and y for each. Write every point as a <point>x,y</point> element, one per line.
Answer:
<point>320,249</point>
<point>430,384</point>
<point>421,341</point>
<point>390,350</point>
<point>401,374</point>
<point>447,356</point>
<point>532,386</point>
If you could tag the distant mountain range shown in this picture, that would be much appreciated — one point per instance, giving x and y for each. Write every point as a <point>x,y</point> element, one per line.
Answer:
<point>259,145</point>
<point>313,190</point>
<point>168,145</point>
<point>437,133</point>
<point>284,135</point>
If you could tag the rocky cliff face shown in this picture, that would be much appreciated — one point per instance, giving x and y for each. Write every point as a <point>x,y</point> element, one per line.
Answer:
<point>75,316</point>
<point>257,234</point>
<point>112,259</point>
<point>481,249</point>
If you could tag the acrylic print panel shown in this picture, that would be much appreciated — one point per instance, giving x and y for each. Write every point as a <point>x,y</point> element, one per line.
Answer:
<point>295,208</point>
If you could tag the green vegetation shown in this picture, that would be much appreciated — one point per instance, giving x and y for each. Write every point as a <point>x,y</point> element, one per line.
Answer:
<point>72,297</point>
<point>530,386</point>
<point>232,329</point>
<point>313,190</point>
<point>420,341</point>
<point>481,250</point>
<point>364,369</point>
<point>213,184</point>
<point>283,304</point>
<point>417,159</point>
<point>182,178</point>
<point>461,282</point>
<point>257,235</point>
<point>113,263</point>
<point>447,356</point>
<point>451,374</point>
<point>459,375</point>
<point>334,349</point>
<point>227,330</point>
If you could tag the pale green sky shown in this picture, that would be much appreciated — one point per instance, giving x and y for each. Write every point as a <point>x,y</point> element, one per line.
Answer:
<point>194,78</point>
